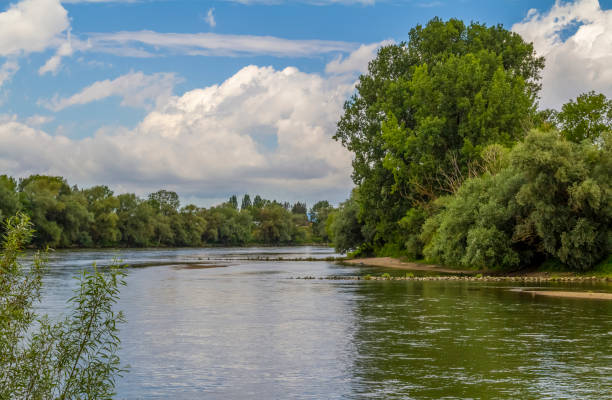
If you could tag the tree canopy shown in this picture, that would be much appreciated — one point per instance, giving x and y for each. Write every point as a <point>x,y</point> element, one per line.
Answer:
<point>426,109</point>
<point>66,216</point>
<point>454,162</point>
<point>587,118</point>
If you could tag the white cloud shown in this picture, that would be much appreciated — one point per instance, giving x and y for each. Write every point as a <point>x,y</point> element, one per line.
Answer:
<point>576,40</point>
<point>53,64</point>
<point>210,18</point>
<point>130,43</point>
<point>261,131</point>
<point>7,70</point>
<point>31,26</point>
<point>38,120</point>
<point>135,88</point>
<point>357,61</point>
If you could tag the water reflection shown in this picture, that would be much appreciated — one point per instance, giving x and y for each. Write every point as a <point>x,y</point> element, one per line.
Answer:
<point>459,340</point>
<point>250,331</point>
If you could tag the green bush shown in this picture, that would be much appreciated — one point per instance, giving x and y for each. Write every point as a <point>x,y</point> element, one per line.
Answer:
<point>553,200</point>
<point>75,358</point>
<point>568,197</point>
<point>345,227</point>
<point>474,228</point>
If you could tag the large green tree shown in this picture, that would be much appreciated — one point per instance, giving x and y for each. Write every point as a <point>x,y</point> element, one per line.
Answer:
<point>58,212</point>
<point>586,118</point>
<point>164,201</point>
<point>274,224</point>
<point>318,216</point>
<point>103,205</point>
<point>425,110</point>
<point>135,220</point>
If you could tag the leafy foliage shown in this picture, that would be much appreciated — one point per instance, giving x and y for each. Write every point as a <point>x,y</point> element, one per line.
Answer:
<point>319,214</point>
<point>65,216</point>
<point>445,167</point>
<point>567,196</point>
<point>553,200</point>
<point>475,226</point>
<point>72,359</point>
<point>345,229</point>
<point>426,109</point>
<point>587,118</point>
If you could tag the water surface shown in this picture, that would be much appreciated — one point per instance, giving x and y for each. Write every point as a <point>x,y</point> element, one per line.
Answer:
<point>250,331</point>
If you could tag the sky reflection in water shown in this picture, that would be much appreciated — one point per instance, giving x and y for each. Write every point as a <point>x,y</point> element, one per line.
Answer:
<point>250,331</point>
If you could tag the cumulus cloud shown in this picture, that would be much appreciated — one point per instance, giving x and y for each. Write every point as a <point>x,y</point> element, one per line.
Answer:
<point>136,89</point>
<point>357,61</point>
<point>210,18</point>
<point>262,130</point>
<point>130,43</point>
<point>31,26</point>
<point>575,38</point>
<point>7,70</point>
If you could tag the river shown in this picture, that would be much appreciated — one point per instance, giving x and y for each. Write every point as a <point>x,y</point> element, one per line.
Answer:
<point>250,331</point>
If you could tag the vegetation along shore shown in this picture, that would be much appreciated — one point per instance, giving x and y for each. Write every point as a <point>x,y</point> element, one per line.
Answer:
<point>455,163</point>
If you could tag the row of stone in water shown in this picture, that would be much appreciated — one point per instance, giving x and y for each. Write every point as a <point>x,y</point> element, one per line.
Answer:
<point>386,277</point>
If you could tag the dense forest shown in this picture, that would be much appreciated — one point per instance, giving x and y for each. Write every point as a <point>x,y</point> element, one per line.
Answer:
<point>455,163</point>
<point>66,216</point>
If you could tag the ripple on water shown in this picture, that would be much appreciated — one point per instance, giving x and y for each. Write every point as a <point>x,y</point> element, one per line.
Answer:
<point>248,331</point>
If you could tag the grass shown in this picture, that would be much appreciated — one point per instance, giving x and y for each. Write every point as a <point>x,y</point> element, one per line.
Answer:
<point>604,268</point>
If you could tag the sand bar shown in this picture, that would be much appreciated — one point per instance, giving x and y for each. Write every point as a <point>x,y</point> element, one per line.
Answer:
<point>572,295</point>
<point>389,262</point>
<point>197,266</point>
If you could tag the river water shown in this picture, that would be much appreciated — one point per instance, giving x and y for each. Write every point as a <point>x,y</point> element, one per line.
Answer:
<point>251,331</point>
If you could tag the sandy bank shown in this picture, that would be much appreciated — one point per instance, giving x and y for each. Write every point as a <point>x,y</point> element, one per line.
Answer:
<point>389,262</point>
<point>572,295</point>
<point>197,266</point>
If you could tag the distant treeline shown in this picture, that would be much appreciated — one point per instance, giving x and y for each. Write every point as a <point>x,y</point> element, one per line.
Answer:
<point>454,163</point>
<point>67,216</point>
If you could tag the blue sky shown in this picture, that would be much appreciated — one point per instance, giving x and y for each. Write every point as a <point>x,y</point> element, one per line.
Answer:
<point>215,98</point>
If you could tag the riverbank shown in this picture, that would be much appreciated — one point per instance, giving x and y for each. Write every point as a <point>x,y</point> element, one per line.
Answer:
<point>388,262</point>
<point>571,295</point>
<point>479,276</point>
<point>470,278</point>
<point>497,279</point>
<point>603,270</point>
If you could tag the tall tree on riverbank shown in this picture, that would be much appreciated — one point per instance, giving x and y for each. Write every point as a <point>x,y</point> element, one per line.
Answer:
<point>426,109</point>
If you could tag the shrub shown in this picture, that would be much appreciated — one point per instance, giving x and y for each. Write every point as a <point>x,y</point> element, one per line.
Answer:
<point>553,200</point>
<point>70,359</point>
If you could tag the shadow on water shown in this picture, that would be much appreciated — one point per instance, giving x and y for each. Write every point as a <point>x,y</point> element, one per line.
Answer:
<point>461,340</point>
